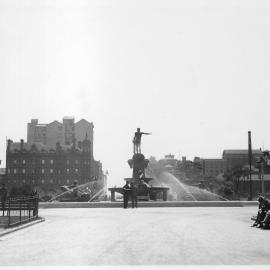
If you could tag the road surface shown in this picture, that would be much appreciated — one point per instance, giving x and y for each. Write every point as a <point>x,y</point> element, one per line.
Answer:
<point>143,236</point>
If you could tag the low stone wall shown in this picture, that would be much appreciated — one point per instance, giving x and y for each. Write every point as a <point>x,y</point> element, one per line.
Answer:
<point>147,204</point>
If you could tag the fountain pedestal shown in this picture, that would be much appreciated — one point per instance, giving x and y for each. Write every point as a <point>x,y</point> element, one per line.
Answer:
<point>139,163</point>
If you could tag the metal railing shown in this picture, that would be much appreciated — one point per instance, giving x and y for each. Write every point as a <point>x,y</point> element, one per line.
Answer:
<point>20,209</point>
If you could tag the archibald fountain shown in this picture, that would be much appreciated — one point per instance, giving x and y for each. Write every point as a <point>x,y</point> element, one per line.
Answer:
<point>138,163</point>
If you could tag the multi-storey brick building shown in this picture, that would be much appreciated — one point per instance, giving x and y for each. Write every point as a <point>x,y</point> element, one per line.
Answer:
<point>236,158</point>
<point>212,166</point>
<point>40,164</point>
<point>230,159</point>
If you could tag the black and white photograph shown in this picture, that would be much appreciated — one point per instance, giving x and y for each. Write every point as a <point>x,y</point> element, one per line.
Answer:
<point>134,133</point>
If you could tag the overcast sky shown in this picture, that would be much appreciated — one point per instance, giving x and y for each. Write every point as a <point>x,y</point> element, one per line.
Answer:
<point>194,73</point>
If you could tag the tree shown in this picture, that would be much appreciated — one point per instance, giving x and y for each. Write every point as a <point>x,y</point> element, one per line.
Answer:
<point>235,174</point>
<point>24,190</point>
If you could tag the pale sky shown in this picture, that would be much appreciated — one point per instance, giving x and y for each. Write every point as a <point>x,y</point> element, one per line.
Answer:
<point>196,74</point>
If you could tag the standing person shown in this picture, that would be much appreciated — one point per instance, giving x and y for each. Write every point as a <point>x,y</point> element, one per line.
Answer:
<point>127,191</point>
<point>34,198</point>
<point>134,194</point>
<point>3,195</point>
<point>33,193</point>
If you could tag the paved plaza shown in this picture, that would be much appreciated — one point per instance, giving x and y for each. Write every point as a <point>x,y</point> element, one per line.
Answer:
<point>143,236</point>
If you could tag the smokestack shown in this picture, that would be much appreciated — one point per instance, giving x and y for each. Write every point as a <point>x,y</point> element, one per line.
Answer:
<point>9,142</point>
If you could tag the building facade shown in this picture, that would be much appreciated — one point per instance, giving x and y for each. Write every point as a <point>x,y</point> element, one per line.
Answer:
<point>213,166</point>
<point>238,158</point>
<point>55,154</point>
<point>64,133</point>
<point>168,160</point>
<point>170,163</point>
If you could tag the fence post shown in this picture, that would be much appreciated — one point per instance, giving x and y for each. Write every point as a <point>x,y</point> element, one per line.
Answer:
<point>8,212</point>
<point>29,209</point>
<point>36,204</point>
<point>20,206</point>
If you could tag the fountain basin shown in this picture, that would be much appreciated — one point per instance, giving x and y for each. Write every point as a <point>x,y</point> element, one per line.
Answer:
<point>153,193</point>
<point>143,204</point>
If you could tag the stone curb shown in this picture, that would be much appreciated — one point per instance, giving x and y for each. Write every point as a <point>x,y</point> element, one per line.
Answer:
<point>46,205</point>
<point>20,227</point>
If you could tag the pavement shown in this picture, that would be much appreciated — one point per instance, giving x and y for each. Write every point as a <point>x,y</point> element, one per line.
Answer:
<point>7,230</point>
<point>144,236</point>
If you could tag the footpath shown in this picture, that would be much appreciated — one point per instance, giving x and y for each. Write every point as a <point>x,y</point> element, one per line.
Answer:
<point>5,231</point>
<point>119,204</point>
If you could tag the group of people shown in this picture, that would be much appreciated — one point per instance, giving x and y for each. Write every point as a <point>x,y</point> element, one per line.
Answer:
<point>130,192</point>
<point>263,216</point>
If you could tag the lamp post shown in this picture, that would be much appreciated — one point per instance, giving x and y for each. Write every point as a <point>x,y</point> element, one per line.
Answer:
<point>260,166</point>
<point>264,161</point>
<point>261,162</point>
<point>262,175</point>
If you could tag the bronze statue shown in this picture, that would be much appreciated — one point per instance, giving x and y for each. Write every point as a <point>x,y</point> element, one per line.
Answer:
<point>137,141</point>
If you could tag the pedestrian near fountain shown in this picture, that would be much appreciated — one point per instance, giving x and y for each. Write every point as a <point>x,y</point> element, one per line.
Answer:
<point>134,194</point>
<point>127,193</point>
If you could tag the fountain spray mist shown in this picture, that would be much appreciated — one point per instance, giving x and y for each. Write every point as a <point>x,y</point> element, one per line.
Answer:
<point>182,192</point>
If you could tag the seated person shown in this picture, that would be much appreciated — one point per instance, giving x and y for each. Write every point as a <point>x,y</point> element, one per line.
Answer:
<point>143,188</point>
<point>263,208</point>
<point>265,223</point>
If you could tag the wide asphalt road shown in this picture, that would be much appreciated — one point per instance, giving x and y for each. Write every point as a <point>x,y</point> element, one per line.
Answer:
<point>143,236</point>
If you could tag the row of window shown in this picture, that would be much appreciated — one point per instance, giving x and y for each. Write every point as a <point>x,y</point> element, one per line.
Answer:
<point>214,169</point>
<point>42,181</point>
<point>51,161</point>
<point>23,171</point>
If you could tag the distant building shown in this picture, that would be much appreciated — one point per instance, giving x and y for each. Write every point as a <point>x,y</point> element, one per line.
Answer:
<point>55,154</point>
<point>212,166</point>
<point>230,159</point>
<point>186,165</point>
<point>169,162</point>
<point>64,133</point>
<point>235,158</point>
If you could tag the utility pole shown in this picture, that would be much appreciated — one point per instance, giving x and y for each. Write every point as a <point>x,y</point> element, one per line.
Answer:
<point>250,163</point>
<point>264,162</point>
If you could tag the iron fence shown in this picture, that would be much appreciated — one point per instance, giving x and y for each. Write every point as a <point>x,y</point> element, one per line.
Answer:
<point>20,209</point>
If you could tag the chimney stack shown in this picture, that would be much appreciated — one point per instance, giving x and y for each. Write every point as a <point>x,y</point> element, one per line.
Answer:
<point>9,142</point>
<point>21,145</point>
